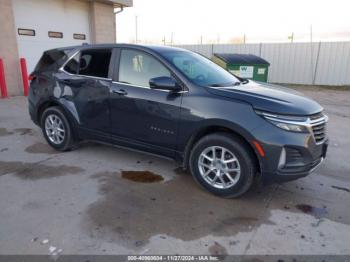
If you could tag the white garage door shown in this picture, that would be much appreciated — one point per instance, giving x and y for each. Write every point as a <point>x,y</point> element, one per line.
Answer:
<point>47,24</point>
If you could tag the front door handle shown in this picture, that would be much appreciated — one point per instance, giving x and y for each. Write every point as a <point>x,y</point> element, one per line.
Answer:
<point>120,92</point>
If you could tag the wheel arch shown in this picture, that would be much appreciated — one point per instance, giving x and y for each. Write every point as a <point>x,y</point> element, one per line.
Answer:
<point>64,105</point>
<point>71,116</point>
<point>237,132</point>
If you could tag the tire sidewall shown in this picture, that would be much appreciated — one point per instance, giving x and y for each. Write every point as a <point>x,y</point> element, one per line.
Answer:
<point>66,141</point>
<point>246,165</point>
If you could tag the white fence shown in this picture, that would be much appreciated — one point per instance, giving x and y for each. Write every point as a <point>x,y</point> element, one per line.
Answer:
<point>324,63</point>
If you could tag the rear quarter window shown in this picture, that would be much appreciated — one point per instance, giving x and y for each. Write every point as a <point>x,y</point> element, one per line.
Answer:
<point>52,60</point>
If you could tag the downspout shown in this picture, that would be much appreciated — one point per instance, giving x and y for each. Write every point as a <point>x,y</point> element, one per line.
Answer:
<point>119,11</point>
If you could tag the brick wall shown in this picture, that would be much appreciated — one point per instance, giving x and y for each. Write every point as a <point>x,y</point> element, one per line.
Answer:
<point>8,48</point>
<point>102,23</point>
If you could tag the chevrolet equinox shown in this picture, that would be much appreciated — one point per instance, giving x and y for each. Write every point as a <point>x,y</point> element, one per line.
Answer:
<point>172,102</point>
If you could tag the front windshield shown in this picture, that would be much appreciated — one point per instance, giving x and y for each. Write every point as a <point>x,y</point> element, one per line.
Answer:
<point>200,70</point>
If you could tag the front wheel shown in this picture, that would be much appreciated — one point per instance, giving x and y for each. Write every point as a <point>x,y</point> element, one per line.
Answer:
<point>223,165</point>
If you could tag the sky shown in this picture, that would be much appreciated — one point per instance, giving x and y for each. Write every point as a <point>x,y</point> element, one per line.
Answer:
<point>232,21</point>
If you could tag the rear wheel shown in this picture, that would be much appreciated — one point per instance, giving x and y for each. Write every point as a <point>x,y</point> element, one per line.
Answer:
<point>223,165</point>
<point>57,129</point>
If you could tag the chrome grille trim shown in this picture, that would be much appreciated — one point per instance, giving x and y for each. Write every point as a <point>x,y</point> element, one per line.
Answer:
<point>318,127</point>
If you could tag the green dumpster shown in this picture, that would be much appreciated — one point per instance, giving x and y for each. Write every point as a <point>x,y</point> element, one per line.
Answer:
<point>244,65</point>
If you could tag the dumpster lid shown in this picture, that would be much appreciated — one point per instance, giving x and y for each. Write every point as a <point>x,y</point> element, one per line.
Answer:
<point>242,59</point>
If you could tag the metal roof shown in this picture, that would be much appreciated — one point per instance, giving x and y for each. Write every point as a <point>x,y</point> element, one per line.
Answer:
<point>242,59</point>
<point>116,3</point>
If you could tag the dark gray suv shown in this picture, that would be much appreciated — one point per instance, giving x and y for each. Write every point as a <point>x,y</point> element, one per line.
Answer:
<point>178,104</point>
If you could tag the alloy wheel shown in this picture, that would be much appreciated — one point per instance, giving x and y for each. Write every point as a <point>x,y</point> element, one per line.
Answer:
<point>54,129</point>
<point>219,167</point>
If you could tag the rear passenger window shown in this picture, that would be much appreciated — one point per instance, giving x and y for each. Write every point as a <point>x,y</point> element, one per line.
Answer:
<point>95,62</point>
<point>137,68</point>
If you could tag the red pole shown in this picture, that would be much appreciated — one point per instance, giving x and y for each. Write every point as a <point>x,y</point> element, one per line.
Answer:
<point>3,86</point>
<point>24,76</point>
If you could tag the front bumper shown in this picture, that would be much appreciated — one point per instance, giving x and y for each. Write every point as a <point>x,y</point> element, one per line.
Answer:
<point>288,155</point>
<point>288,174</point>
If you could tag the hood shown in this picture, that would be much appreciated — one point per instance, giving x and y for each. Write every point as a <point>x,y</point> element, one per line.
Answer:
<point>271,98</point>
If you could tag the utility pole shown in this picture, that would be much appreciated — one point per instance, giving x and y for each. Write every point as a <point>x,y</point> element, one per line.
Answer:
<point>201,41</point>
<point>244,39</point>
<point>310,33</point>
<point>136,37</point>
<point>291,37</point>
<point>172,38</point>
<point>312,57</point>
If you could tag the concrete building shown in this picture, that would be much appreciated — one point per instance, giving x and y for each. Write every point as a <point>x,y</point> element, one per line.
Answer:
<point>28,27</point>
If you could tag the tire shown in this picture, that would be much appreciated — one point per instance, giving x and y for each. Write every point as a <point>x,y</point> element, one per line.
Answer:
<point>65,140</point>
<point>240,162</point>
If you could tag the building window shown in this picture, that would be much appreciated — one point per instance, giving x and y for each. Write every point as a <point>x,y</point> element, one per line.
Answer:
<point>28,32</point>
<point>55,34</point>
<point>79,36</point>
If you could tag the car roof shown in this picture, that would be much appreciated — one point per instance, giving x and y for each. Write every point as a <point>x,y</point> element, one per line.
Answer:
<point>156,48</point>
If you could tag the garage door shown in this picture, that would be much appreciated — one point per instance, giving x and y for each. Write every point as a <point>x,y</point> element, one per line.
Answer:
<point>47,24</point>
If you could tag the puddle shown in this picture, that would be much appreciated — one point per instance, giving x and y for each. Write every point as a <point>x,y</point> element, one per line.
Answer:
<point>142,176</point>
<point>34,171</point>
<point>134,212</point>
<point>317,212</point>
<point>341,188</point>
<point>5,132</point>
<point>40,148</point>
<point>217,250</point>
<point>20,131</point>
<point>24,131</point>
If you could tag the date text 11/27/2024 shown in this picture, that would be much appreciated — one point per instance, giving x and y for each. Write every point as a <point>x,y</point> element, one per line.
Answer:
<point>173,258</point>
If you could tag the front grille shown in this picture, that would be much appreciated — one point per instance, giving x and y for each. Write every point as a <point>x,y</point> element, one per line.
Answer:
<point>318,125</point>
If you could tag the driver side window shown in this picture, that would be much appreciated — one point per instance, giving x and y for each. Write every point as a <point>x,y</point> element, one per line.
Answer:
<point>137,68</point>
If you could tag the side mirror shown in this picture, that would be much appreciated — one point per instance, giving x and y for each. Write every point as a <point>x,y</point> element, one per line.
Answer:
<point>164,83</point>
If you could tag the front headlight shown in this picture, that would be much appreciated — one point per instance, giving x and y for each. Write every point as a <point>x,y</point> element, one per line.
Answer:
<point>286,122</point>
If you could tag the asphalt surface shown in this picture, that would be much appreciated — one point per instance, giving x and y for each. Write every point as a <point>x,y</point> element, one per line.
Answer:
<point>88,202</point>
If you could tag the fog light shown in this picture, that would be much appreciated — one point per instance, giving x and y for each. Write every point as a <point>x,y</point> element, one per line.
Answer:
<point>282,161</point>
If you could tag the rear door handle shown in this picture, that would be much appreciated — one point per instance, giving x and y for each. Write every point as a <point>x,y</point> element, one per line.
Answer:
<point>120,92</point>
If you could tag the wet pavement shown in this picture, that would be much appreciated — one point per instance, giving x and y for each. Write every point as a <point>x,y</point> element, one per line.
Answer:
<point>100,199</point>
